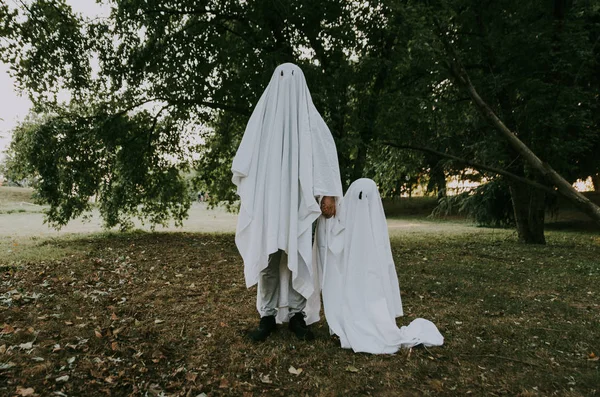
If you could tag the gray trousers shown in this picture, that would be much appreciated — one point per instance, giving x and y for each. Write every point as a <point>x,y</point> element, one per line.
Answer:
<point>268,285</point>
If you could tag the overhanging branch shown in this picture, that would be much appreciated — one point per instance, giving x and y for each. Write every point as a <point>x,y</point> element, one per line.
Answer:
<point>477,166</point>
<point>460,76</point>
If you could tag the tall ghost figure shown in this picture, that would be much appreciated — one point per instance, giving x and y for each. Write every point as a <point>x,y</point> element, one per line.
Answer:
<point>286,163</point>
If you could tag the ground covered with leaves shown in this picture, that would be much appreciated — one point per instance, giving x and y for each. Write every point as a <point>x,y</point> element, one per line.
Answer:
<point>167,314</point>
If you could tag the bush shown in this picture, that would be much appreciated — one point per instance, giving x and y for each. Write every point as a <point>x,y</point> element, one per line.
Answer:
<point>488,204</point>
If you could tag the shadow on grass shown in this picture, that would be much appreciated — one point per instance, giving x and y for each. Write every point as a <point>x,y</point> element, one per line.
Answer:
<point>573,226</point>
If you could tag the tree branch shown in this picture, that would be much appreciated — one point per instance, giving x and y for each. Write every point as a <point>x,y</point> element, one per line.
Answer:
<point>168,11</point>
<point>461,76</point>
<point>224,106</point>
<point>170,101</point>
<point>477,166</point>
<point>154,124</point>
<point>245,21</point>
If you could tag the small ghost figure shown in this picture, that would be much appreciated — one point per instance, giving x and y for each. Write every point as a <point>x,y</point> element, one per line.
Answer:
<point>361,293</point>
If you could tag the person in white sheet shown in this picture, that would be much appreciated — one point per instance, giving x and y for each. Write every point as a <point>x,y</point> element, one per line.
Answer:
<point>361,295</point>
<point>284,167</point>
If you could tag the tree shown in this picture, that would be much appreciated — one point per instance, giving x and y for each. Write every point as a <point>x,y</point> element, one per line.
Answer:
<point>199,63</point>
<point>378,72</point>
<point>560,51</point>
<point>117,159</point>
<point>535,67</point>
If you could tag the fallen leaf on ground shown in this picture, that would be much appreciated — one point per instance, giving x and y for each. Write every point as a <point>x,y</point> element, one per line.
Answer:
<point>63,378</point>
<point>437,385</point>
<point>224,384</point>
<point>351,368</point>
<point>158,321</point>
<point>294,371</point>
<point>26,346</point>
<point>191,376</point>
<point>7,329</point>
<point>265,379</point>
<point>7,365</point>
<point>22,391</point>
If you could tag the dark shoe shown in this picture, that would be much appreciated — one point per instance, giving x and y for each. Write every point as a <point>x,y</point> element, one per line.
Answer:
<point>298,326</point>
<point>266,326</point>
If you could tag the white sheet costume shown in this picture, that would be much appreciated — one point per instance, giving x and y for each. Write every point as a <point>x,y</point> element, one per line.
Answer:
<point>361,295</point>
<point>286,159</point>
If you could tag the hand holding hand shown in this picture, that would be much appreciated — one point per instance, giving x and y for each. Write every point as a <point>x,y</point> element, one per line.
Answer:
<point>328,206</point>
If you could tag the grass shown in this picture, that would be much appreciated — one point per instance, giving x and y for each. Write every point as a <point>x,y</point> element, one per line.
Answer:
<point>145,314</point>
<point>14,200</point>
<point>13,211</point>
<point>20,251</point>
<point>409,206</point>
<point>15,194</point>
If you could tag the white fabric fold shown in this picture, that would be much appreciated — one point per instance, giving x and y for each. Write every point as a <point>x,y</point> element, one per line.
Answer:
<point>287,157</point>
<point>361,294</point>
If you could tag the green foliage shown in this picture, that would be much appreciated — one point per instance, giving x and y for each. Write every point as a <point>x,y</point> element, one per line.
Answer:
<point>535,67</point>
<point>16,167</point>
<point>214,165</point>
<point>488,205</point>
<point>395,172</point>
<point>377,73</point>
<point>117,160</point>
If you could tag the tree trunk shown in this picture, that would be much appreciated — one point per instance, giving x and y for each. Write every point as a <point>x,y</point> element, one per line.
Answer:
<point>441,193</point>
<point>529,205</point>
<point>359,163</point>
<point>596,182</point>
<point>437,177</point>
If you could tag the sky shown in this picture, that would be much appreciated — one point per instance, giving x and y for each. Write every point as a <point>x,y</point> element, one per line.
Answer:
<point>14,106</point>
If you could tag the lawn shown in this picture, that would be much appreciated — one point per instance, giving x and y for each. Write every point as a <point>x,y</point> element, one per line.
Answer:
<point>166,314</point>
<point>17,200</point>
